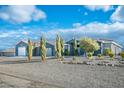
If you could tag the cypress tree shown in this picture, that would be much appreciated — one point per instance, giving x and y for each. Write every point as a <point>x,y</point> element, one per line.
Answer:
<point>43,49</point>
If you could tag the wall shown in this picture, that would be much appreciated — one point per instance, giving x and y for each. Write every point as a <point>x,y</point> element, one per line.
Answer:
<point>21,44</point>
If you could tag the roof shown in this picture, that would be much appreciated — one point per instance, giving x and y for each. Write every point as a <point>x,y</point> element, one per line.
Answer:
<point>25,41</point>
<point>101,40</point>
<point>36,43</point>
<point>109,41</point>
<point>8,50</point>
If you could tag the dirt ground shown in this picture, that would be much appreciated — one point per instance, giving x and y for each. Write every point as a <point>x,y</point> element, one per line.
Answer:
<point>16,73</point>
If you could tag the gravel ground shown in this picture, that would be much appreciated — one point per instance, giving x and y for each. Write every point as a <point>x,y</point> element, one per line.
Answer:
<point>56,74</point>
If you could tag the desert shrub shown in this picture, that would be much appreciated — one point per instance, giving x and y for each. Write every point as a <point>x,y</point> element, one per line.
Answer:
<point>111,55</point>
<point>89,55</point>
<point>100,56</point>
<point>106,51</point>
<point>122,55</point>
<point>74,58</point>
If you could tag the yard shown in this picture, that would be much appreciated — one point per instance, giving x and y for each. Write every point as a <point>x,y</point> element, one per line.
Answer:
<point>14,72</point>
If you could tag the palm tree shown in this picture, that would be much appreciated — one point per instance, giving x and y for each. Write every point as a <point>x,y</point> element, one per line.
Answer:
<point>29,50</point>
<point>43,49</point>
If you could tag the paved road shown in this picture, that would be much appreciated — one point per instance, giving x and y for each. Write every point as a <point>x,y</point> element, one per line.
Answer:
<point>56,74</point>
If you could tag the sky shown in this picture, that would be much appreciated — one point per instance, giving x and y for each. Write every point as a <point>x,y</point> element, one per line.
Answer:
<point>19,22</point>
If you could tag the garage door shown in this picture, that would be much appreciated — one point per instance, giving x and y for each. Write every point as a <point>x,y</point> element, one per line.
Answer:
<point>21,51</point>
<point>49,52</point>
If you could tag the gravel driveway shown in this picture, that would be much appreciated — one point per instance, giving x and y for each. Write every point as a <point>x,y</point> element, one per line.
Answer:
<point>56,74</point>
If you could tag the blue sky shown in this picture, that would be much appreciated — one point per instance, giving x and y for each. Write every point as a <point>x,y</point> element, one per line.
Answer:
<point>22,22</point>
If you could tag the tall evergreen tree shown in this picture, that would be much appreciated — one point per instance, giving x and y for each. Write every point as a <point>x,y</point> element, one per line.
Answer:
<point>62,47</point>
<point>58,47</point>
<point>29,50</point>
<point>43,49</point>
<point>75,48</point>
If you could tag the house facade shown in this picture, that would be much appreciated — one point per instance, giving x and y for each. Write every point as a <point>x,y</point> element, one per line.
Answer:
<point>110,44</point>
<point>21,49</point>
<point>8,52</point>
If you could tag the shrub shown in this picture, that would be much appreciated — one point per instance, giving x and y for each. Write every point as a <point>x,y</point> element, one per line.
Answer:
<point>66,52</point>
<point>100,56</point>
<point>111,55</point>
<point>106,51</point>
<point>76,52</point>
<point>122,55</point>
<point>89,55</point>
<point>74,58</point>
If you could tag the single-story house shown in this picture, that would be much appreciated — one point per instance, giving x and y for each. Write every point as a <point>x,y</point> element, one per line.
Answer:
<point>103,43</point>
<point>20,49</point>
<point>7,52</point>
<point>109,44</point>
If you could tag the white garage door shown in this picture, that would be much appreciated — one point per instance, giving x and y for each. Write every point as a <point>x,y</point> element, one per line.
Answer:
<point>49,52</point>
<point>21,51</point>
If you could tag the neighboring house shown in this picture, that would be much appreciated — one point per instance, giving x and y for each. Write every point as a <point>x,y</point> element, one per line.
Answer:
<point>8,52</point>
<point>21,49</point>
<point>109,44</point>
<point>113,46</point>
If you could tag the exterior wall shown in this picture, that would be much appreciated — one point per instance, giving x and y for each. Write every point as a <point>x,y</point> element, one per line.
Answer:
<point>106,45</point>
<point>52,47</point>
<point>21,44</point>
<point>118,50</point>
<point>80,51</point>
<point>36,50</point>
<point>8,54</point>
<point>115,49</point>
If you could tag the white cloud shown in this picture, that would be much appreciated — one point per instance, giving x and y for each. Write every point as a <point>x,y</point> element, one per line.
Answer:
<point>105,8</point>
<point>76,25</point>
<point>94,30</point>
<point>21,13</point>
<point>113,31</point>
<point>118,15</point>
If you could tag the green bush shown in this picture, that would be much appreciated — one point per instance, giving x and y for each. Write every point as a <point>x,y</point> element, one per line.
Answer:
<point>106,52</point>
<point>99,55</point>
<point>76,52</point>
<point>66,52</point>
<point>89,55</point>
<point>74,58</point>
<point>111,55</point>
<point>122,55</point>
